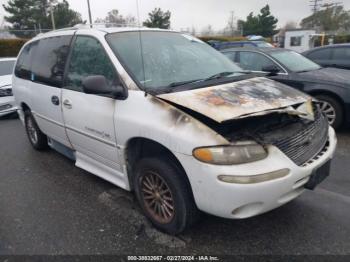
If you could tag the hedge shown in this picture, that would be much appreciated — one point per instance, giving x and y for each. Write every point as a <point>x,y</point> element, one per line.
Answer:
<point>228,38</point>
<point>11,47</point>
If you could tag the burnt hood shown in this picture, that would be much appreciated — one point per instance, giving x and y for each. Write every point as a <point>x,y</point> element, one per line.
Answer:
<point>256,96</point>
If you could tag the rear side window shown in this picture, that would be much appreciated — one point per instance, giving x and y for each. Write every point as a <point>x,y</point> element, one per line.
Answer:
<point>48,66</point>
<point>24,61</point>
<point>341,53</point>
<point>6,67</point>
<point>322,54</point>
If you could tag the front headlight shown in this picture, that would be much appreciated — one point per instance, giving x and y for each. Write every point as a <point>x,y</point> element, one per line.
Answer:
<point>231,155</point>
<point>6,92</point>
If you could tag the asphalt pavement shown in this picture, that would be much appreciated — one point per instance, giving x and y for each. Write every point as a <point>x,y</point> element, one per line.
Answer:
<point>49,206</point>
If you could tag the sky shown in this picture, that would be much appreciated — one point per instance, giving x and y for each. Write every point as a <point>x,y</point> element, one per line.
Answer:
<point>197,13</point>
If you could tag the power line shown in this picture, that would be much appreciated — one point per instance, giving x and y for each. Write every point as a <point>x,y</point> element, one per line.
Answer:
<point>332,4</point>
<point>315,5</point>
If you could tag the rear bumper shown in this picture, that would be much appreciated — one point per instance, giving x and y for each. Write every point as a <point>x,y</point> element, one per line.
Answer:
<point>7,105</point>
<point>236,201</point>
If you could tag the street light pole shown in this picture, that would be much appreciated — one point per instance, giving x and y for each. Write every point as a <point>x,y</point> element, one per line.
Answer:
<point>52,16</point>
<point>90,18</point>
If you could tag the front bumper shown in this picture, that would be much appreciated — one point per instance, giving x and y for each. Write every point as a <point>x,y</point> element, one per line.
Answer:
<point>7,105</point>
<point>246,200</point>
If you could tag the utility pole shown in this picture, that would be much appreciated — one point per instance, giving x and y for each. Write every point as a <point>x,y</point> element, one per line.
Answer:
<point>90,17</point>
<point>52,15</point>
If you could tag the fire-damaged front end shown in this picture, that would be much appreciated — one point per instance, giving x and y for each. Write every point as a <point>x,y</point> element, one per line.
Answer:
<point>279,143</point>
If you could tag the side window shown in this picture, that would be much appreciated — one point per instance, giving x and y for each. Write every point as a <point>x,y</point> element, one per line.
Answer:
<point>49,63</point>
<point>88,58</point>
<point>254,61</point>
<point>231,56</point>
<point>341,53</point>
<point>6,67</point>
<point>322,54</point>
<point>24,61</point>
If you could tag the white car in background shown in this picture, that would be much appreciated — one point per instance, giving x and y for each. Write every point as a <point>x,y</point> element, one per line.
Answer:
<point>7,101</point>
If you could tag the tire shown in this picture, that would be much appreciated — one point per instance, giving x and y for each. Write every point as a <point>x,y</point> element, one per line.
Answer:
<point>37,138</point>
<point>332,109</point>
<point>175,192</point>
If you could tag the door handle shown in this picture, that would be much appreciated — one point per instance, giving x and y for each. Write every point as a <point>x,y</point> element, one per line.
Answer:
<point>67,104</point>
<point>55,100</point>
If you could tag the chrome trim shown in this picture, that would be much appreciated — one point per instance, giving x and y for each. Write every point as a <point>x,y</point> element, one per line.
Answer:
<point>91,136</point>
<point>76,130</point>
<point>48,119</point>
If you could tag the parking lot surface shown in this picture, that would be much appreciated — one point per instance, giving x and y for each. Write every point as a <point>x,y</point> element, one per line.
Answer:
<point>48,206</point>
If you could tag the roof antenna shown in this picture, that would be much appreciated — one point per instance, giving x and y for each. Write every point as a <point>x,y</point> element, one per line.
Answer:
<point>138,13</point>
<point>89,9</point>
<point>141,48</point>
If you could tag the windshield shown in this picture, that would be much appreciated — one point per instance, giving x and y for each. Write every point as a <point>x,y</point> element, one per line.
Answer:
<point>295,62</point>
<point>161,59</point>
<point>6,67</point>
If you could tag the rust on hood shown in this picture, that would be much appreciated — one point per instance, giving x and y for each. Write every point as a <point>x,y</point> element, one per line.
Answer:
<point>241,99</point>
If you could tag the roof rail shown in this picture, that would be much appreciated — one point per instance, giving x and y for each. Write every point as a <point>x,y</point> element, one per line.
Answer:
<point>106,25</point>
<point>88,26</point>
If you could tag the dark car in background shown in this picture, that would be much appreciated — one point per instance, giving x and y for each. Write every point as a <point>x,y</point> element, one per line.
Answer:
<point>337,56</point>
<point>330,86</point>
<point>218,45</point>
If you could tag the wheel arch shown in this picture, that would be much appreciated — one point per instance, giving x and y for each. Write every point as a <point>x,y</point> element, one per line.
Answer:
<point>25,107</point>
<point>140,147</point>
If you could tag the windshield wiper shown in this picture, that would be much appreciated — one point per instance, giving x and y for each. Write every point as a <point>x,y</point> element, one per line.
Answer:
<point>213,77</point>
<point>219,75</point>
<point>175,84</point>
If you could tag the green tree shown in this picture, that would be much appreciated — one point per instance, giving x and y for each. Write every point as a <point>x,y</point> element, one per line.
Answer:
<point>66,17</point>
<point>158,19</point>
<point>114,18</point>
<point>34,14</point>
<point>262,24</point>
<point>331,19</point>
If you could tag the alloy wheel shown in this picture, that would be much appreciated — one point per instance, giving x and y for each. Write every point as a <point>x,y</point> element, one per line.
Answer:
<point>329,111</point>
<point>157,197</point>
<point>32,132</point>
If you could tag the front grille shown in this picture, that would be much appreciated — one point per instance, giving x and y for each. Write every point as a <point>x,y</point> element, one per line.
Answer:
<point>307,143</point>
<point>6,92</point>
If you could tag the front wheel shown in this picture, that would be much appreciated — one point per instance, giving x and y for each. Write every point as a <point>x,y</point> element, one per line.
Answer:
<point>164,195</point>
<point>332,109</point>
<point>37,138</point>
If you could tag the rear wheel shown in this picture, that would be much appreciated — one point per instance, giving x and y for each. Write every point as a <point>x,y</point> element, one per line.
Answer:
<point>164,195</point>
<point>37,138</point>
<point>332,109</point>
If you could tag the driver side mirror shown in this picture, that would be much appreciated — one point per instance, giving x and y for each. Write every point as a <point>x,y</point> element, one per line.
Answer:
<point>98,85</point>
<point>271,69</point>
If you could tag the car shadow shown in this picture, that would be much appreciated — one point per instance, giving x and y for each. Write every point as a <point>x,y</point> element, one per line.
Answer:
<point>10,116</point>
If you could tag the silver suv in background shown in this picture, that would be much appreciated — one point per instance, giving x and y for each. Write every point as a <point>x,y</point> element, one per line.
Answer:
<point>165,115</point>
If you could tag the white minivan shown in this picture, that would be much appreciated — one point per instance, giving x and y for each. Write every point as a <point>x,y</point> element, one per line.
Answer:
<point>163,114</point>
